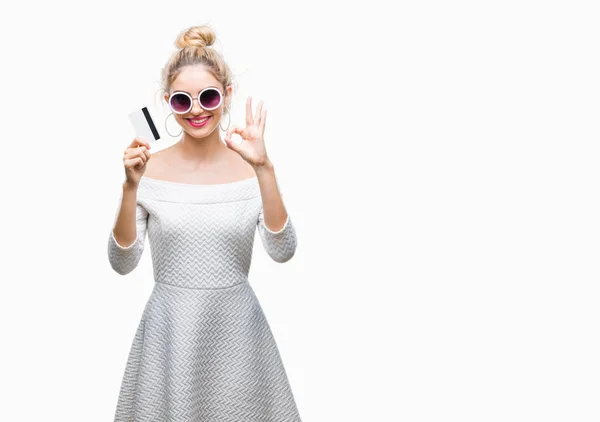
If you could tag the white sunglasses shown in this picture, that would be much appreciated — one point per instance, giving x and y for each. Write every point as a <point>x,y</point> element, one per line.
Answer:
<point>209,99</point>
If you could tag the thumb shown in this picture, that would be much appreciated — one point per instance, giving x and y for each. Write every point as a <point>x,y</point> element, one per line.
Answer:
<point>230,144</point>
<point>230,132</point>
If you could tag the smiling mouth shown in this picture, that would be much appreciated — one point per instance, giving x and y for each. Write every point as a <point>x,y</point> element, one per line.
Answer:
<point>199,122</point>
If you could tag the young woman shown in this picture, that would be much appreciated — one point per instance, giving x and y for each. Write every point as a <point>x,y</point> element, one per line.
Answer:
<point>203,350</point>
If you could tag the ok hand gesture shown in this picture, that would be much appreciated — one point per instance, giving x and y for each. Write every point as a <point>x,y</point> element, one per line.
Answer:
<point>252,148</point>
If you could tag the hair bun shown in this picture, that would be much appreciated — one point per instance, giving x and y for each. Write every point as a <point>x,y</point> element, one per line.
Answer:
<point>196,36</point>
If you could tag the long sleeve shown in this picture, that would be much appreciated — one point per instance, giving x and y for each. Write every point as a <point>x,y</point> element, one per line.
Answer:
<point>280,245</point>
<point>124,260</point>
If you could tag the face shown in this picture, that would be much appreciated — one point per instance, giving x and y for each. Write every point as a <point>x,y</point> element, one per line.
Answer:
<point>193,79</point>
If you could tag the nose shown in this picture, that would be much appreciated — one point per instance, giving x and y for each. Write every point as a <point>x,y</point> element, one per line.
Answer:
<point>196,108</point>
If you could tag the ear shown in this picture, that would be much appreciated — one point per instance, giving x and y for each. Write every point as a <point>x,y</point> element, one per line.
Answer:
<point>228,92</point>
<point>166,98</point>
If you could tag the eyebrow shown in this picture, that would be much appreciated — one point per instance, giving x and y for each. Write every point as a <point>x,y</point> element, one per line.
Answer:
<point>211,86</point>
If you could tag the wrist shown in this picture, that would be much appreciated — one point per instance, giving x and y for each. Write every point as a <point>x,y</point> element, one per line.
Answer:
<point>265,167</point>
<point>129,186</point>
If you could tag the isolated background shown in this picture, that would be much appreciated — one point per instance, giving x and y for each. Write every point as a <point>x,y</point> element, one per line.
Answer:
<point>439,160</point>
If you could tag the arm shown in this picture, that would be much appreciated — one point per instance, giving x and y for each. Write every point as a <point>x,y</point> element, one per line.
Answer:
<point>126,239</point>
<point>274,224</point>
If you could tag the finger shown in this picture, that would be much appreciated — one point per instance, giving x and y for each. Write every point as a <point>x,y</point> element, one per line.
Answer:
<point>229,144</point>
<point>249,119</point>
<point>141,152</point>
<point>135,151</point>
<point>142,149</point>
<point>263,121</point>
<point>259,113</point>
<point>236,129</point>
<point>144,143</point>
<point>233,144</point>
<point>134,163</point>
<point>138,142</point>
<point>230,132</point>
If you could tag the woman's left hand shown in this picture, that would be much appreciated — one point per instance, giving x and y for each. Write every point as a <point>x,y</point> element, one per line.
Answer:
<point>252,148</point>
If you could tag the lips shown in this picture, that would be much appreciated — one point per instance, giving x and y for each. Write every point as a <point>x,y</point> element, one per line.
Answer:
<point>199,122</point>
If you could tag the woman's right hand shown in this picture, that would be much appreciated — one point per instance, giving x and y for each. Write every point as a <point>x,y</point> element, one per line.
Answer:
<point>135,158</point>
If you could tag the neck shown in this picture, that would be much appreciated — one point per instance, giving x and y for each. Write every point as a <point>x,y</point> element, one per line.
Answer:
<point>202,150</point>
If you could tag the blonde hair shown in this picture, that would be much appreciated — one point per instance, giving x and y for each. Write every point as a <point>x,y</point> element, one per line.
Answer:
<point>194,49</point>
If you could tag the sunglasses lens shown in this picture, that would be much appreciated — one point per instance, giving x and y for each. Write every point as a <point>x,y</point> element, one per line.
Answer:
<point>211,98</point>
<point>180,103</point>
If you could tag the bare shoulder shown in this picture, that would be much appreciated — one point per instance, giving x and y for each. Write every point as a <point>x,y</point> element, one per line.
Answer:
<point>155,167</point>
<point>243,169</point>
<point>165,165</point>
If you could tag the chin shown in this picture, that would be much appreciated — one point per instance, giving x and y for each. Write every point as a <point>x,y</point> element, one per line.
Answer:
<point>201,132</point>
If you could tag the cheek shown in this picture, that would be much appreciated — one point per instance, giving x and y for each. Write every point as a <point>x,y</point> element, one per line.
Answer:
<point>216,115</point>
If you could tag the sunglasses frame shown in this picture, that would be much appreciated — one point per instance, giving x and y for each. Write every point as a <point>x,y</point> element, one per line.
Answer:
<point>192,100</point>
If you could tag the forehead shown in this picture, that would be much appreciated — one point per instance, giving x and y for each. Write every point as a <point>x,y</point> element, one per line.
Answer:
<point>194,79</point>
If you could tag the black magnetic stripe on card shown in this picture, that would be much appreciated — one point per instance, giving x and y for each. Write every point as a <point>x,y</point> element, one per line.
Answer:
<point>150,123</point>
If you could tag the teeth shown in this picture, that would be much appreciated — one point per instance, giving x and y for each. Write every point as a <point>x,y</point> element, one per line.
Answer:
<point>199,121</point>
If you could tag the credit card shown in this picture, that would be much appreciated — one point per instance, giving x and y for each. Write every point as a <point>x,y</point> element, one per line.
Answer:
<point>144,126</point>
